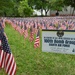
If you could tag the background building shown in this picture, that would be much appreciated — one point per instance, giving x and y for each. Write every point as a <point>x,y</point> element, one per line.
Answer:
<point>65,11</point>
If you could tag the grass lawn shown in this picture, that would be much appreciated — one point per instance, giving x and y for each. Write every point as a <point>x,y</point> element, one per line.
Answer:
<point>32,61</point>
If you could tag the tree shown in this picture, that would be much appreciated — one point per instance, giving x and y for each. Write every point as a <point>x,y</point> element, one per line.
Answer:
<point>31,3</point>
<point>46,5</point>
<point>42,5</point>
<point>15,8</point>
<point>24,9</point>
<point>6,7</point>
<point>57,5</point>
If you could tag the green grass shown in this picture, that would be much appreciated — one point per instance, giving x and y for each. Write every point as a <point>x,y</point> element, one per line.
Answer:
<point>32,61</point>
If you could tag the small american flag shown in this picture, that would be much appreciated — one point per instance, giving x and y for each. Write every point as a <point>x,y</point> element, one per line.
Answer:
<point>31,35</point>
<point>37,40</point>
<point>25,31</point>
<point>6,58</point>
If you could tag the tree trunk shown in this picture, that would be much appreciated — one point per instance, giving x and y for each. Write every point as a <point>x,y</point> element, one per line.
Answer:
<point>41,11</point>
<point>46,11</point>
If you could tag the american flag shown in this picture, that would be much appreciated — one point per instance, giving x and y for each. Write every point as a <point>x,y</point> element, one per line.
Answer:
<point>37,40</point>
<point>25,32</point>
<point>31,34</point>
<point>6,58</point>
<point>23,28</point>
<point>34,28</point>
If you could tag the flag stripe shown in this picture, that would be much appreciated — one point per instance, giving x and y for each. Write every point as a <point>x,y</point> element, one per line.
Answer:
<point>9,64</point>
<point>1,55</point>
<point>8,57</point>
<point>13,69</point>
<point>2,59</point>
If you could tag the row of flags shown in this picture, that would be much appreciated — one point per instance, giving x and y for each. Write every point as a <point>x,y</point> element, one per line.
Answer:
<point>55,23</point>
<point>7,60</point>
<point>27,31</point>
<point>28,27</point>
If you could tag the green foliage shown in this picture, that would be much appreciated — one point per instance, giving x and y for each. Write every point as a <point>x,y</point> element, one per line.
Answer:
<point>24,9</point>
<point>31,3</point>
<point>57,5</point>
<point>48,4</point>
<point>6,7</point>
<point>70,2</point>
<point>43,5</point>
